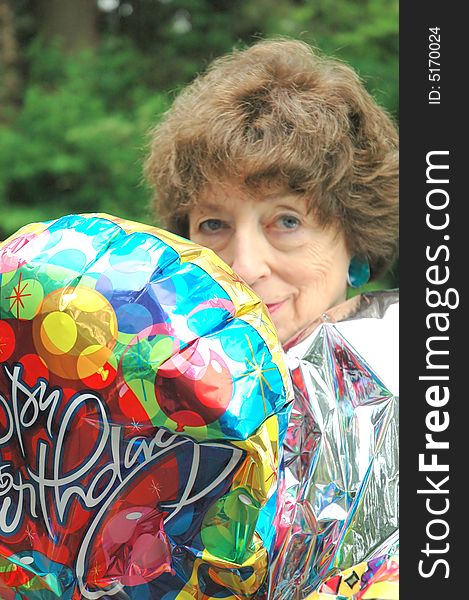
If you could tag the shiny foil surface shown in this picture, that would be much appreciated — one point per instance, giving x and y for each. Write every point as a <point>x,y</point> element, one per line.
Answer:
<point>338,507</point>
<point>144,398</point>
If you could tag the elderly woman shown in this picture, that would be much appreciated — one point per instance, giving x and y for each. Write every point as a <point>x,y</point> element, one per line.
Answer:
<point>280,161</point>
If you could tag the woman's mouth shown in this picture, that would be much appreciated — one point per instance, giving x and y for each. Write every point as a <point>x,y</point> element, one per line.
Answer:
<point>272,308</point>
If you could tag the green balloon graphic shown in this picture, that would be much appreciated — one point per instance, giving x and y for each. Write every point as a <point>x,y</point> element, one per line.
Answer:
<point>228,527</point>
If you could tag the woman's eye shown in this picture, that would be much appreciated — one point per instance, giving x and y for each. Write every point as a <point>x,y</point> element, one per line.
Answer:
<point>288,222</point>
<point>211,225</point>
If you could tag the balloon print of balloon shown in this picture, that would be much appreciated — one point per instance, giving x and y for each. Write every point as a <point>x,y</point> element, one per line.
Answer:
<point>134,400</point>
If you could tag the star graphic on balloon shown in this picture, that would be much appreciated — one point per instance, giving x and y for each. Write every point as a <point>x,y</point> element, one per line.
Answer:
<point>18,295</point>
<point>155,487</point>
<point>135,425</point>
<point>96,572</point>
<point>258,370</point>
<point>30,534</point>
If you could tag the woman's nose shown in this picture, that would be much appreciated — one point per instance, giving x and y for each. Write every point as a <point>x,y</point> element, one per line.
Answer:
<point>250,257</point>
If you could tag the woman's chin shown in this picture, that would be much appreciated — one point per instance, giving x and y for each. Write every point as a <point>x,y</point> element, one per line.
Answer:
<point>284,330</point>
<point>285,325</point>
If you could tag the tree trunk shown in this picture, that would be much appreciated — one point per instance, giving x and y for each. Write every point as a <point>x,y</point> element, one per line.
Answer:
<point>74,22</point>
<point>10,89</point>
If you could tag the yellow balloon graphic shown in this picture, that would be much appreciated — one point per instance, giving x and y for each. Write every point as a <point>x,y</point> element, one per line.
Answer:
<point>58,332</point>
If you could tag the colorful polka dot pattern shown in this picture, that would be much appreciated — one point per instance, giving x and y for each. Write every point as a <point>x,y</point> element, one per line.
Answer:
<point>141,391</point>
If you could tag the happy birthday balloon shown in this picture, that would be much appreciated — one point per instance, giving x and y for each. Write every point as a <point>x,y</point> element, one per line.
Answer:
<point>143,403</point>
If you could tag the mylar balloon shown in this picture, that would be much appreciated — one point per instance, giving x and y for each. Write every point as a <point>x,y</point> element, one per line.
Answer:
<point>143,403</point>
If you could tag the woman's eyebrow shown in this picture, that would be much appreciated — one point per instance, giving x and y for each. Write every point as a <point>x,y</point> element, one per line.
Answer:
<point>291,206</point>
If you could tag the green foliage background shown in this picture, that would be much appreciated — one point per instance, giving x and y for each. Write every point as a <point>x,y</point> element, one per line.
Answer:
<point>76,140</point>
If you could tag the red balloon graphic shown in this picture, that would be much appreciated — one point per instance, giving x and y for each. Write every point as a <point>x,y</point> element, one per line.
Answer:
<point>34,368</point>
<point>194,387</point>
<point>131,545</point>
<point>131,407</point>
<point>7,341</point>
<point>134,548</point>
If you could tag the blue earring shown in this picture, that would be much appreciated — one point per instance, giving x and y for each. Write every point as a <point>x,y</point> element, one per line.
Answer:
<point>358,272</point>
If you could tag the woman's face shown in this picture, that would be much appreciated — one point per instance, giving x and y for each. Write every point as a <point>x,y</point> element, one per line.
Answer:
<point>296,267</point>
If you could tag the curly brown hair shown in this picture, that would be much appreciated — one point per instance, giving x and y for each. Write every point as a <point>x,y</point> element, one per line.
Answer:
<point>280,112</point>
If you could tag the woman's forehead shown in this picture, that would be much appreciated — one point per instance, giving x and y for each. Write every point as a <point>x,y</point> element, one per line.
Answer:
<point>226,192</point>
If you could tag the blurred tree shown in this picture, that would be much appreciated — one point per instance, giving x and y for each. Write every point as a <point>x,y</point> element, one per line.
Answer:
<point>10,90</point>
<point>73,22</point>
<point>183,36</point>
<point>89,77</point>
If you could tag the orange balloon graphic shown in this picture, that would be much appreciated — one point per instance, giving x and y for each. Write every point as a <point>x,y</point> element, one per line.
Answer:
<point>75,332</point>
